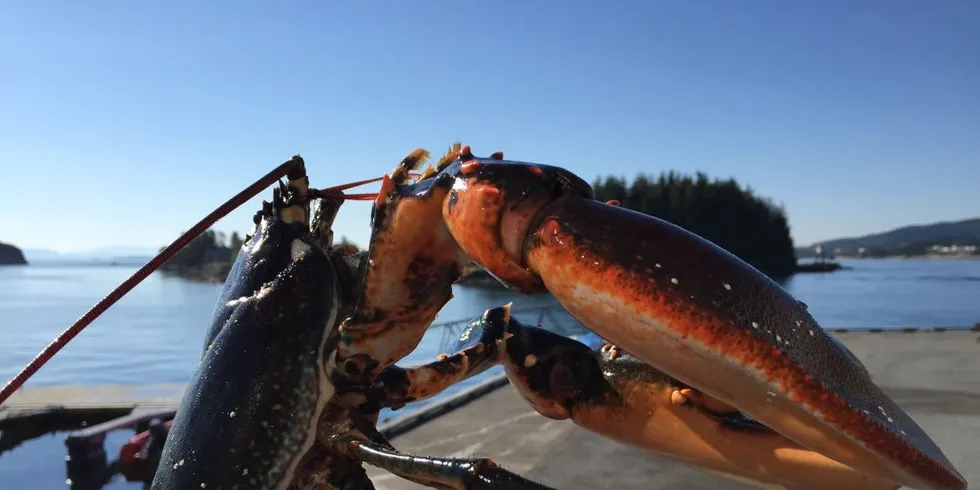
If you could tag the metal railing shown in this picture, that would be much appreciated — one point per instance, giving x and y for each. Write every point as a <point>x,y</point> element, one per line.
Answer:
<point>556,319</point>
<point>553,318</point>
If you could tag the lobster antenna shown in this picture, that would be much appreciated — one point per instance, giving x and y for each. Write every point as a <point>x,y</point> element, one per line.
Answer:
<point>154,263</point>
<point>335,192</point>
<point>360,183</point>
<point>368,196</point>
<point>338,188</point>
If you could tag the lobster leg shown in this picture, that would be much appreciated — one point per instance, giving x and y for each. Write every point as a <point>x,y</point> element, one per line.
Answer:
<point>454,473</point>
<point>435,472</point>
<point>477,350</point>
<point>324,469</point>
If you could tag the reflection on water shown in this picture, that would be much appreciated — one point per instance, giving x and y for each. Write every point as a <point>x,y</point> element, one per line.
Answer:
<point>41,464</point>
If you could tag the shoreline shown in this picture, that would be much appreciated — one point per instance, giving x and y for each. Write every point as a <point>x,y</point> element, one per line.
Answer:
<point>951,258</point>
<point>205,275</point>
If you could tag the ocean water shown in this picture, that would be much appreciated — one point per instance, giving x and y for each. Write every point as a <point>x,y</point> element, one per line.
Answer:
<point>154,335</point>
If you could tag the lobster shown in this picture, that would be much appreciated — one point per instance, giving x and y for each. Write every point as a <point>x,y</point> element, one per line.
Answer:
<point>704,360</point>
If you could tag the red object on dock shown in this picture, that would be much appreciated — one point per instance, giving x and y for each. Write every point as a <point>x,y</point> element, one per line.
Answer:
<point>131,463</point>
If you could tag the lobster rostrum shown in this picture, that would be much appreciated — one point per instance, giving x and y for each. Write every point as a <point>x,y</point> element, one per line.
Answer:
<point>301,354</point>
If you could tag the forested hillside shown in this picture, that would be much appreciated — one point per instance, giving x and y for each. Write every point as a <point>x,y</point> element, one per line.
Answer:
<point>749,226</point>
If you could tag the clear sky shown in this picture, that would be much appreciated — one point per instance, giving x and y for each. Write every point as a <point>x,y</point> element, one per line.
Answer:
<point>123,123</point>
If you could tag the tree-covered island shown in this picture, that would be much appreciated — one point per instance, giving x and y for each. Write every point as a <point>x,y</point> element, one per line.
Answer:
<point>206,258</point>
<point>11,255</point>
<point>751,227</point>
<point>209,257</point>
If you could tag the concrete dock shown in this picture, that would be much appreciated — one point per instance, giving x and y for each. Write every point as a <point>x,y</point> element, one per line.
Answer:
<point>935,377</point>
<point>33,412</point>
<point>155,396</point>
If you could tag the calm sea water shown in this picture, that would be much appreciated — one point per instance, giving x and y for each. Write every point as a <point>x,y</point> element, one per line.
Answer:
<point>154,334</point>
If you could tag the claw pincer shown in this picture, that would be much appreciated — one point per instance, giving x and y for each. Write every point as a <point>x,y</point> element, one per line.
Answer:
<point>616,395</point>
<point>479,348</point>
<point>250,413</point>
<point>689,308</point>
<point>412,263</point>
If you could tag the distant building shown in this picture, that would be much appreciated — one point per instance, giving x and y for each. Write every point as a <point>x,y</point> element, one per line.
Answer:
<point>953,249</point>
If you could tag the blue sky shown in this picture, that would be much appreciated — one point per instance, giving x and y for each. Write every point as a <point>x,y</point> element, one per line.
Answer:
<point>123,123</point>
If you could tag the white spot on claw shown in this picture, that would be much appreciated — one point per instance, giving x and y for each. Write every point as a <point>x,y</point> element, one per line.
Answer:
<point>657,265</point>
<point>236,301</point>
<point>298,249</point>
<point>231,414</point>
<point>755,325</point>
<point>811,333</point>
<point>727,286</point>
<point>673,280</point>
<point>264,291</point>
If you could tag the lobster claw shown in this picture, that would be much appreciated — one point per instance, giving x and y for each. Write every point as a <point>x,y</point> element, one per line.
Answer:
<point>614,394</point>
<point>690,309</point>
<point>262,370</point>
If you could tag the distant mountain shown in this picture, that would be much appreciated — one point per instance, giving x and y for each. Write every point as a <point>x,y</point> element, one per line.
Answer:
<point>906,239</point>
<point>121,251</point>
<point>34,254</point>
<point>103,254</point>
